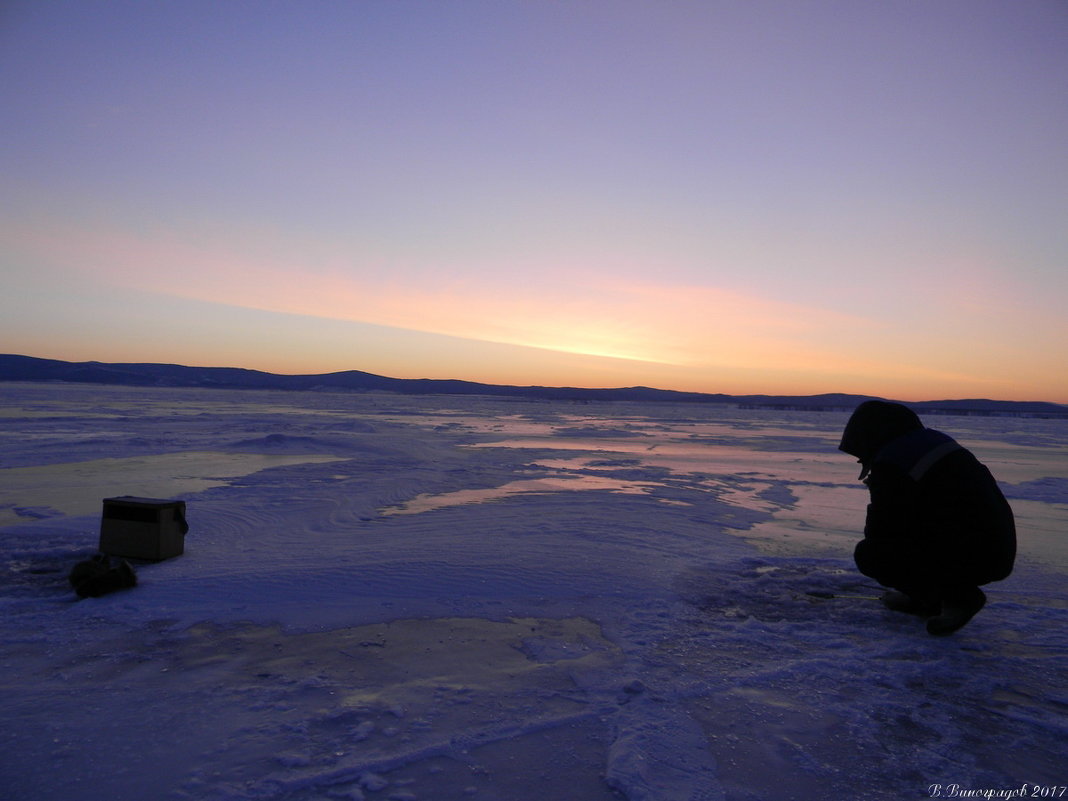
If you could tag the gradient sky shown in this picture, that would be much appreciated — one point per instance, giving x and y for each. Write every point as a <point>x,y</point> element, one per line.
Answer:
<point>792,197</point>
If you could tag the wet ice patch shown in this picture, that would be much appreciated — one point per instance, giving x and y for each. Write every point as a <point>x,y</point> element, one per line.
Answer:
<point>31,512</point>
<point>292,444</point>
<point>595,432</point>
<point>1049,489</point>
<point>532,486</point>
<point>77,488</point>
<point>820,517</point>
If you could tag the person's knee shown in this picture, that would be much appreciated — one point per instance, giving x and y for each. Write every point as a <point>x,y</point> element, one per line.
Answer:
<point>866,556</point>
<point>894,563</point>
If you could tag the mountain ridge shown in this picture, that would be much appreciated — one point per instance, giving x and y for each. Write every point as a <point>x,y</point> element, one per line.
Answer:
<point>15,367</point>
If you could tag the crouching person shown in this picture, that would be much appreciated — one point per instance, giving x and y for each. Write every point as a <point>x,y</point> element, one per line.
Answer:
<point>937,526</point>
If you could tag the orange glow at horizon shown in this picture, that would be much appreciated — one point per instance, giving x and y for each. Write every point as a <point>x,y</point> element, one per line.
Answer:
<point>674,325</point>
<point>597,330</point>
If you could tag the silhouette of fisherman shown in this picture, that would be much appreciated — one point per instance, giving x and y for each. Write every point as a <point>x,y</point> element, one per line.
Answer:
<point>937,526</point>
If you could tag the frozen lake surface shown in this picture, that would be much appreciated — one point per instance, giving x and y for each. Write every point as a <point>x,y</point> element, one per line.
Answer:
<point>387,597</point>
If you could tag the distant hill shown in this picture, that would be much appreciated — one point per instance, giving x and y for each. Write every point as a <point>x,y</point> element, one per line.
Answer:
<point>28,368</point>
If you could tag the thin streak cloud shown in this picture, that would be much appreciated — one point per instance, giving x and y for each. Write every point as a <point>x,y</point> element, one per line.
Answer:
<point>590,313</point>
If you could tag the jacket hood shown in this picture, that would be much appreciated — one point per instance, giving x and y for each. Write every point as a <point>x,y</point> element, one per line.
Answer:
<point>872,426</point>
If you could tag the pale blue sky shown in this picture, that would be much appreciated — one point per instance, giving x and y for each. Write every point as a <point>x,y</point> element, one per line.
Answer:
<point>721,196</point>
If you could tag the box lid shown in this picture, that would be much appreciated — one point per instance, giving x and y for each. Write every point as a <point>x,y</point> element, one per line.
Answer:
<point>133,500</point>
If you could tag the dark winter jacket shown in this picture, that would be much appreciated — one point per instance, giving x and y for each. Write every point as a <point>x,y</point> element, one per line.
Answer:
<point>931,494</point>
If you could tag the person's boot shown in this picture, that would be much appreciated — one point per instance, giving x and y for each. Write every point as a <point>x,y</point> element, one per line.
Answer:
<point>909,604</point>
<point>957,610</point>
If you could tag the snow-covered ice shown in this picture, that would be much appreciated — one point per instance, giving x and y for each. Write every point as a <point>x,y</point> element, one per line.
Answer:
<point>396,598</point>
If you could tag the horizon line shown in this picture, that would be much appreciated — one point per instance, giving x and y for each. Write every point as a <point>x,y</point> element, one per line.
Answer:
<point>529,386</point>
